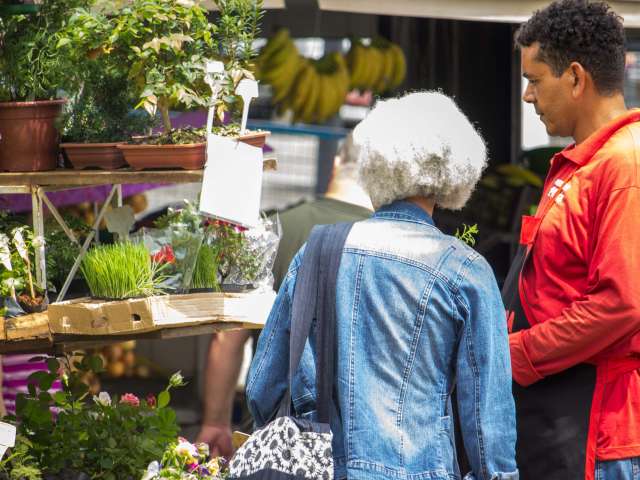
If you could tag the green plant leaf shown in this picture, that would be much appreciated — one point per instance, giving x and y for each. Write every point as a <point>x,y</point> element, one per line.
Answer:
<point>164,398</point>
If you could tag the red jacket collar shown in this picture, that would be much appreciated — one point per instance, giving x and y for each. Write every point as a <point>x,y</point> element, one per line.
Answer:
<point>581,154</point>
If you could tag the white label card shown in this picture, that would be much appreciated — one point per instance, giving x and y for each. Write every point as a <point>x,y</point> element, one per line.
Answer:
<point>232,183</point>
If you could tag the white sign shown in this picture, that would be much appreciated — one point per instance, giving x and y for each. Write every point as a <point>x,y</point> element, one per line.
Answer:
<point>232,183</point>
<point>7,437</point>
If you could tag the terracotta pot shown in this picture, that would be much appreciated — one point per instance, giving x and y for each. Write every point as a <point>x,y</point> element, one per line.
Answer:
<point>189,157</point>
<point>96,155</point>
<point>257,139</point>
<point>28,137</point>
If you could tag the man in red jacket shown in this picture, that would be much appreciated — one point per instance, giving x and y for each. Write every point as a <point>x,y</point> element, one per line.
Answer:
<point>573,296</point>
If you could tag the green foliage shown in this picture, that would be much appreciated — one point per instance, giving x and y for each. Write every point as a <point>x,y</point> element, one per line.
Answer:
<point>31,68</point>
<point>17,261</point>
<point>101,110</point>
<point>205,274</point>
<point>121,270</point>
<point>162,47</point>
<point>60,251</point>
<point>233,251</point>
<point>468,234</point>
<point>103,437</point>
<point>159,45</point>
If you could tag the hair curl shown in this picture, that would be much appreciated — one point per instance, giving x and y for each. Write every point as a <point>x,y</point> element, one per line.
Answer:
<point>419,145</point>
<point>589,33</point>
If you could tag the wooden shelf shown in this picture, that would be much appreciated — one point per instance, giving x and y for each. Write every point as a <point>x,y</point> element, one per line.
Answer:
<point>70,178</point>
<point>58,344</point>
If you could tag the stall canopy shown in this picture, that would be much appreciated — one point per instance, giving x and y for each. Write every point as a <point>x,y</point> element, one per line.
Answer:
<point>509,11</point>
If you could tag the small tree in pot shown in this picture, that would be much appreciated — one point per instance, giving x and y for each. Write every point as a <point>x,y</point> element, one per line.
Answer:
<point>31,72</point>
<point>163,46</point>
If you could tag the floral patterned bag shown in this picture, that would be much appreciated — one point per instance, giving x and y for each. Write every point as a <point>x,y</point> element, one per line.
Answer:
<point>288,447</point>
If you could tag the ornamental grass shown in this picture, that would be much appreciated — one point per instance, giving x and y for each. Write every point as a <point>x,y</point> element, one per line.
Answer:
<point>121,270</point>
<point>205,274</point>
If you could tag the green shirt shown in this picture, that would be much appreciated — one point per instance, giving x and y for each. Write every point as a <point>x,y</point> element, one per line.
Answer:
<point>298,221</point>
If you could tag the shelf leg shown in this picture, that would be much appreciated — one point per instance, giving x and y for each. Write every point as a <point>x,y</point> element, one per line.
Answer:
<point>38,234</point>
<point>85,245</point>
<point>54,211</point>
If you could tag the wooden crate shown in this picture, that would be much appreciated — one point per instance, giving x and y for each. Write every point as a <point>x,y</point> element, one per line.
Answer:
<point>94,317</point>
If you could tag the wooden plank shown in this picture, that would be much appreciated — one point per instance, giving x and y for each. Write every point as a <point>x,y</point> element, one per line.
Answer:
<point>19,182</point>
<point>79,178</point>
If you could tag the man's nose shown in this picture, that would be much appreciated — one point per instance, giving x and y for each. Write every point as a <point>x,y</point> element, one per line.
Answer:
<point>528,96</point>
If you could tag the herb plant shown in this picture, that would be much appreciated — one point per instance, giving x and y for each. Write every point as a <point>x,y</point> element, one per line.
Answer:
<point>205,274</point>
<point>102,437</point>
<point>31,68</point>
<point>121,270</point>
<point>468,234</point>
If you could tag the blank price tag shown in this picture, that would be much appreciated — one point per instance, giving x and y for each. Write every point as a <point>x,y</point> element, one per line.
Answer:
<point>238,439</point>
<point>232,182</point>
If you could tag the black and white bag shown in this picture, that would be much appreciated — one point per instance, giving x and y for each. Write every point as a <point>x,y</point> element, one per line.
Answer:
<point>288,447</point>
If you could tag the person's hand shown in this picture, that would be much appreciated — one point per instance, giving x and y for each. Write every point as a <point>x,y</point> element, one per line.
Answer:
<point>218,437</point>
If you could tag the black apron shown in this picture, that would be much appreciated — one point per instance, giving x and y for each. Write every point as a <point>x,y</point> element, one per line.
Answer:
<point>552,414</point>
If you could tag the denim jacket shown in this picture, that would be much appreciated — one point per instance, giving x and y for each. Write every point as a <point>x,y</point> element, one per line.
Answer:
<point>418,313</point>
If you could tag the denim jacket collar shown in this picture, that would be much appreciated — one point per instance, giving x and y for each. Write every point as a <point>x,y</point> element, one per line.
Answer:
<point>404,211</point>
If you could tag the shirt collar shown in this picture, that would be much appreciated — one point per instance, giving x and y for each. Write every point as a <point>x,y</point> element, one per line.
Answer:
<point>581,154</point>
<point>404,211</point>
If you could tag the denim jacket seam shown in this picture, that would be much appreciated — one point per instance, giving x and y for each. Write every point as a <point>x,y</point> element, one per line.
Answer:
<point>410,363</point>
<point>354,317</point>
<point>476,373</point>
<point>463,269</point>
<point>401,259</point>
<point>260,367</point>
<point>403,217</point>
<point>393,473</point>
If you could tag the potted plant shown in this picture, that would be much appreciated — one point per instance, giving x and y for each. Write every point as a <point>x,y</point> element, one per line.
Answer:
<point>100,117</point>
<point>17,272</point>
<point>31,72</point>
<point>165,61</point>
<point>183,460</point>
<point>99,436</point>
<point>122,270</point>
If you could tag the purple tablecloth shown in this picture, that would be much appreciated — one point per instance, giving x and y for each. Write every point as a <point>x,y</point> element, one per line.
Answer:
<point>19,203</point>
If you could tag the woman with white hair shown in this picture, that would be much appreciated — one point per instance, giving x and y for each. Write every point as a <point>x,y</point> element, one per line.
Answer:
<point>418,313</point>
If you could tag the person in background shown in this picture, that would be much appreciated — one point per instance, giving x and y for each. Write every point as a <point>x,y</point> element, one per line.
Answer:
<point>573,297</point>
<point>344,201</point>
<point>418,313</point>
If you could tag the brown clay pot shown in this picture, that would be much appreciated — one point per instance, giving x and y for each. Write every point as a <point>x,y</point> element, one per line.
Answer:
<point>28,137</point>
<point>257,139</point>
<point>94,155</point>
<point>189,157</point>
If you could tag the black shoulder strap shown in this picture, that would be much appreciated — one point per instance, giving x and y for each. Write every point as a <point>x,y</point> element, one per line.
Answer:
<point>314,298</point>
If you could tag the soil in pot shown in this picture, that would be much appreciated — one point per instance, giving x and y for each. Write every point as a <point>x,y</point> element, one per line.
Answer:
<point>33,305</point>
<point>28,136</point>
<point>189,157</point>
<point>94,155</point>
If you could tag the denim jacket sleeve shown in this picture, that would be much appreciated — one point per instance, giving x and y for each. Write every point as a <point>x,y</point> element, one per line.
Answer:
<point>485,401</point>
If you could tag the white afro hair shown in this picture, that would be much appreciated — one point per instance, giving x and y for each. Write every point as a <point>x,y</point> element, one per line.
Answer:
<point>419,145</point>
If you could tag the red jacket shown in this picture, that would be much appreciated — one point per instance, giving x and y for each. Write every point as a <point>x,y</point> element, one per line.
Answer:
<point>581,288</point>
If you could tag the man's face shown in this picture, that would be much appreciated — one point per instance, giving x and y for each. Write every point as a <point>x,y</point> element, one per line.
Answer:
<point>550,95</point>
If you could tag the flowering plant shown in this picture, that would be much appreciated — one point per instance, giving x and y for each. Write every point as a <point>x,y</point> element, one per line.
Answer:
<point>71,432</point>
<point>186,461</point>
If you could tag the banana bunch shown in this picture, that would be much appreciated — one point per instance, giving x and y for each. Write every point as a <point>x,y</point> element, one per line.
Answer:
<point>379,67</point>
<point>279,64</point>
<point>320,89</point>
<point>313,89</point>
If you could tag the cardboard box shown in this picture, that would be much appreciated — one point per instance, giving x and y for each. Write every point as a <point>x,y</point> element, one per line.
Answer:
<point>93,317</point>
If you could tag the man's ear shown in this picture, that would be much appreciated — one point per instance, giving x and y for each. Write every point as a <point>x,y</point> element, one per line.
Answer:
<point>579,78</point>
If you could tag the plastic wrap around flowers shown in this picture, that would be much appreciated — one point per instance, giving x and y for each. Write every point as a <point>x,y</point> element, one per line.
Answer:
<point>187,461</point>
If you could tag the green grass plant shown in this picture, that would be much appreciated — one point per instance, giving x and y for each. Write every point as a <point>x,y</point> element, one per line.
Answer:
<point>121,270</point>
<point>205,274</point>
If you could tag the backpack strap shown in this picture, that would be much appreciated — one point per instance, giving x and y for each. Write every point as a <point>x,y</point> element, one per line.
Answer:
<point>314,299</point>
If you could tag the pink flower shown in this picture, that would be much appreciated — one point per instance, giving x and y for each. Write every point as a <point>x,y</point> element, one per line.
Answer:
<point>151,400</point>
<point>130,399</point>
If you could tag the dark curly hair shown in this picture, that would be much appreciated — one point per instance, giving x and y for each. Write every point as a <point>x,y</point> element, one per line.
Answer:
<point>589,33</point>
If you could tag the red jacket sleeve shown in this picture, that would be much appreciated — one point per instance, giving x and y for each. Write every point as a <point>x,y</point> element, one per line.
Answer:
<point>608,312</point>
